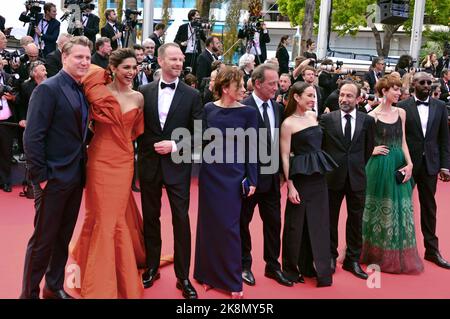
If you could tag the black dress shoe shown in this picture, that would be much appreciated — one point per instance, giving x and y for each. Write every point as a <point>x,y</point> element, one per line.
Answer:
<point>7,188</point>
<point>58,294</point>
<point>355,269</point>
<point>186,287</point>
<point>149,277</point>
<point>438,260</point>
<point>300,279</point>
<point>279,277</point>
<point>248,278</point>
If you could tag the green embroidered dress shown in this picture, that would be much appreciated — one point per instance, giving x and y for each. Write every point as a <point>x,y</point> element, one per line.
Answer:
<point>388,221</point>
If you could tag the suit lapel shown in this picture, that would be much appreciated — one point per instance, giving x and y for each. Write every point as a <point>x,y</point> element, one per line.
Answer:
<point>415,113</point>
<point>175,102</point>
<point>431,114</point>
<point>338,127</point>
<point>276,112</point>
<point>358,127</point>
<point>153,104</point>
<point>70,96</point>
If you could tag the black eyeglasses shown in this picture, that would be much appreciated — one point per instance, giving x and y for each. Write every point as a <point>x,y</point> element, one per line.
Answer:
<point>425,81</point>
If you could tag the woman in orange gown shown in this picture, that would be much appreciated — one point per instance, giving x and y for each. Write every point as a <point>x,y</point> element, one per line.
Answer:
<point>110,249</point>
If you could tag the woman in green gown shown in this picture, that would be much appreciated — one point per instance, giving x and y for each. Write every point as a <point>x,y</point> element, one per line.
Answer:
<point>388,232</point>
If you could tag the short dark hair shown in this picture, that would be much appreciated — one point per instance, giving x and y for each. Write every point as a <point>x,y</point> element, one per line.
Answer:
<point>259,72</point>
<point>192,13</point>
<point>138,47</point>
<point>100,42</point>
<point>108,12</point>
<point>119,55</point>
<point>160,26</point>
<point>190,79</point>
<point>224,79</point>
<point>48,6</point>
<point>308,68</point>
<point>376,60</point>
<point>210,40</point>
<point>444,72</point>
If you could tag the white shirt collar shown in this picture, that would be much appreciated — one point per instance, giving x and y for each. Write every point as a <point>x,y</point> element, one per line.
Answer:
<point>162,80</point>
<point>416,99</point>
<point>352,114</point>
<point>260,102</point>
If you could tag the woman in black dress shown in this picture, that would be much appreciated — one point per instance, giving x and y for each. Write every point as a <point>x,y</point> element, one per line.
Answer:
<point>282,55</point>
<point>306,232</point>
<point>218,243</point>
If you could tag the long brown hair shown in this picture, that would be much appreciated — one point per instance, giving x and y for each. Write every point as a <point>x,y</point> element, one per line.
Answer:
<point>296,88</point>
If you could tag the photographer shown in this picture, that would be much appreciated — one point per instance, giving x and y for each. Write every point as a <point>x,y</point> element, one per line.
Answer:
<point>375,73</point>
<point>89,24</point>
<point>129,27</point>
<point>6,132</point>
<point>144,68</point>
<point>443,61</point>
<point>113,29</point>
<point>309,76</point>
<point>188,38</point>
<point>430,63</point>
<point>257,35</point>
<point>44,28</point>
<point>102,51</point>
<point>150,53</point>
<point>404,64</point>
<point>207,57</point>
<point>284,83</point>
<point>328,77</point>
<point>445,86</point>
<point>159,31</point>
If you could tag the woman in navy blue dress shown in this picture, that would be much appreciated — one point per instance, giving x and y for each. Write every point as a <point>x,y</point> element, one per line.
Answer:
<point>224,167</point>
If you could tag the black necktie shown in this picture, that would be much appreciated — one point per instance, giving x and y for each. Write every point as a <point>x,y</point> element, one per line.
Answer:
<point>348,129</point>
<point>83,105</point>
<point>165,85</point>
<point>267,125</point>
<point>419,102</point>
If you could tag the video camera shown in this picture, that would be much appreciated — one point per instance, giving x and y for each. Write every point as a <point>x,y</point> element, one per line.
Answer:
<point>201,24</point>
<point>254,24</point>
<point>34,7</point>
<point>370,97</point>
<point>83,4</point>
<point>129,12</point>
<point>14,56</point>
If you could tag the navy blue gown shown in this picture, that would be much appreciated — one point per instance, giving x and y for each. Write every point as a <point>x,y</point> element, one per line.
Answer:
<point>218,242</point>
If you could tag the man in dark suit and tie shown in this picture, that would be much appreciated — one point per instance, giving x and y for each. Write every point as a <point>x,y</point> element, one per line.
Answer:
<point>46,28</point>
<point>113,29</point>
<point>54,142</point>
<point>375,73</point>
<point>267,195</point>
<point>160,28</point>
<point>207,57</point>
<point>188,38</point>
<point>53,62</point>
<point>169,104</point>
<point>309,76</point>
<point>427,138</point>
<point>445,86</point>
<point>349,137</point>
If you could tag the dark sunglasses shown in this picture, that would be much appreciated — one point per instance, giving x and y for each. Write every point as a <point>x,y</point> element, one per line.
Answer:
<point>425,81</point>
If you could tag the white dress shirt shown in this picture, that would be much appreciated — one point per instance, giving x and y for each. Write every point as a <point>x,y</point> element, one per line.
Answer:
<point>191,39</point>
<point>5,112</point>
<point>270,112</point>
<point>423,114</point>
<point>165,97</point>
<point>119,40</point>
<point>352,121</point>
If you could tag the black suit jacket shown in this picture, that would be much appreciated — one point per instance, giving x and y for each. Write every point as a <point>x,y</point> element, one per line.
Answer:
<point>433,149</point>
<point>108,31</point>
<point>2,24</point>
<point>157,41</point>
<point>54,142</point>
<point>12,105</point>
<point>49,37</point>
<point>183,35</point>
<point>283,59</point>
<point>90,30</point>
<point>370,78</point>
<point>203,69</point>
<point>267,181</point>
<point>320,99</point>
<point>351,159</point>
<point>53,63</point>
<point>444,90</point>
<point>186,107</point>
<point>23,98</point>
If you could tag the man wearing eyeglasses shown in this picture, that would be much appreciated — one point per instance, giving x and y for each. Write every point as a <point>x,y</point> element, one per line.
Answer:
<point>427,138</point>
<point>375,73</point>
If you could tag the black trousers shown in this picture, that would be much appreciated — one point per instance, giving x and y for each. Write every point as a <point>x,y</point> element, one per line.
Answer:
<point>6,141</point>
<point>151,192</point>
<point>270,212</point>
<point>355,207</point>
<point>426,186</point>
<point>47,252</point>
<point>190,60</point>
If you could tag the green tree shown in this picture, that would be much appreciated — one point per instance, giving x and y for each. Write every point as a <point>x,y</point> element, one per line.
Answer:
<point>349,15</point>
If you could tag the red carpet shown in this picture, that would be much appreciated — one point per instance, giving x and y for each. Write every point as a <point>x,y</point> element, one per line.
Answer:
<point>16,225</point>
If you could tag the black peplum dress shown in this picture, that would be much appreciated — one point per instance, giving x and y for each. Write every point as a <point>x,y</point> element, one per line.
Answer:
<point>306,233</point>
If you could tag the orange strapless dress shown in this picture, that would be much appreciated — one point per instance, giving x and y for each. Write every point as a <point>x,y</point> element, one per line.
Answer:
<point>110,248</point>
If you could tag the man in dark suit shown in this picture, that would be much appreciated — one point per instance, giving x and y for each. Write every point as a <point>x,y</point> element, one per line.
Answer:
<point>113,29</point>
<point>54,142</point>
<point>349,139</point>
<point>207,57</point>
<point>309,76</point>
<point>169,104</point>
<point>427,138</point>
<point>53,62</point>
<point>445,86</point>
<point>188,38</point>
<point>375,73</point>
<point>267,195</point>
<point>160,28</point>
<point>443,61</point>
<point>46,28</point>
<point>102,51</point>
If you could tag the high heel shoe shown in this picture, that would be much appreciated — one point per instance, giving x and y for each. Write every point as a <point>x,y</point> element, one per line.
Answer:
<point>207,287</point>
<point>237,295</point>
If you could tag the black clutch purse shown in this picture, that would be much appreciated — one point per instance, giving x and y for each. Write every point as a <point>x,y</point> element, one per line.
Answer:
<point>245,187</point>
<point>399,177</point>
